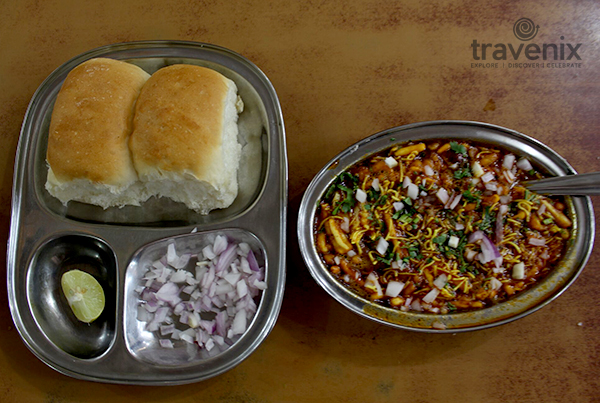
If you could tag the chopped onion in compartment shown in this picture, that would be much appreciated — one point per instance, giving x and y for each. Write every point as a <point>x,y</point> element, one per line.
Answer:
<point>209,306</point>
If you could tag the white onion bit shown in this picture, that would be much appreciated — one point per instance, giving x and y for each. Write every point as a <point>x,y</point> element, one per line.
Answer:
<point>391,162</point>
<point>524,164</point>
<point>361,196</point>
<point>375,184</point>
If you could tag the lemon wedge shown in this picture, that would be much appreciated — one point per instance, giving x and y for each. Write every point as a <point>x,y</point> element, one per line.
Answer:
<point>84,294</point>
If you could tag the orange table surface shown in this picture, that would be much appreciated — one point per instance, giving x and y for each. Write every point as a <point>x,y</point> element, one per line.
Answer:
<point>344,70</point>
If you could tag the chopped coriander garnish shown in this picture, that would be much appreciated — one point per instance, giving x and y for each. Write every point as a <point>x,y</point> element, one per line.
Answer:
<point>486,222</point>
<point>440,239</point>
<point>462,173</point>
<point>457,148</point>
<point>472,196</point>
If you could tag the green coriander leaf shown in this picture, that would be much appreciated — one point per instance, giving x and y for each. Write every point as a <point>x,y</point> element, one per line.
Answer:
<point>457,148</point>
<point>462,173</point>
<point>440,239</point>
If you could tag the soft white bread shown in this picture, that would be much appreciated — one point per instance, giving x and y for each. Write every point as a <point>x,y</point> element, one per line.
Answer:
<point>184,143</point>
<point>88,153</point>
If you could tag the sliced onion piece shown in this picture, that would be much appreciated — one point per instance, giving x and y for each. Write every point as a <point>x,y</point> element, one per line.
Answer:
<point>524,164</point>
<point>428,170</point>
<point>382,246</point>
<point>442,195</point>
<point>431,295</point>
<point>476,236</point>
<point>536,241</point>
<point>394,288</point>
<point>391,162</point>
<point>509,160</point>
<point>412,191</point>
<point>361,196</point>
<point>495,284</point>
<point>488,250</point>
<point>518,271</point>
<point>440,281</point>
<point>487,177</point>
<point>375,184</point>
<point>455,201</point>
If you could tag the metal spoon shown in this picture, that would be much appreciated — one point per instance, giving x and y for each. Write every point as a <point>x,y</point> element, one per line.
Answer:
<point>574,185</point>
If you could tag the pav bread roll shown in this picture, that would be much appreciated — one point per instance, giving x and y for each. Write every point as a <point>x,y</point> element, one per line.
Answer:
<point>184,143</point>
<point>88,153</point>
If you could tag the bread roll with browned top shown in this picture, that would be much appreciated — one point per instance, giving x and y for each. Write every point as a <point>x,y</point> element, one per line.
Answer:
<point>88,154</point>
<point>184,144</point>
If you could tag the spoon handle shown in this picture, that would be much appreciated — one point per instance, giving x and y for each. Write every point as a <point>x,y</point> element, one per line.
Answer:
<point>574,185</point>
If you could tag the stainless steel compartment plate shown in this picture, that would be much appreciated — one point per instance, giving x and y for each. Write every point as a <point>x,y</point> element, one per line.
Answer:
<point>47,237</point>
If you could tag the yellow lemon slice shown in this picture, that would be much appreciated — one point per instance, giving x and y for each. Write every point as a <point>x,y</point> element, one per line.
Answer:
<point>84,294</point>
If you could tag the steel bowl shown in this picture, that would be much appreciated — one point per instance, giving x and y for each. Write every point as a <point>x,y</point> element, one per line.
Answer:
<point>545,159</point>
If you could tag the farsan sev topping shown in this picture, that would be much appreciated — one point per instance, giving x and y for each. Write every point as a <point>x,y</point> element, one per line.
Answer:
<point>440,226</point>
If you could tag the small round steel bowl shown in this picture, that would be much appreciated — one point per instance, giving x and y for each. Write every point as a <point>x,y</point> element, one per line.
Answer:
<point>544,159</point>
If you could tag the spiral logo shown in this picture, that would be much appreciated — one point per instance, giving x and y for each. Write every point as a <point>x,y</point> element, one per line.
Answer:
<point>525,29</point>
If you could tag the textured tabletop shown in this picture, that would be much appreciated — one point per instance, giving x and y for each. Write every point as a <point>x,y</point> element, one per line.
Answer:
<point>344,70</point>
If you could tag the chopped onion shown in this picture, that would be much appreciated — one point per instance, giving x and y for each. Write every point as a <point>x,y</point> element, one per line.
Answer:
<point>542,209</point>
<point>489,251</point>
<point>406,182</point>
<point>361,196</point>
<point>500,223</point>
<point>518,271</point>
<point>375,184</point>
<point>510,177</point>
<point>382,246</point>
<point>372,284</point>
<point>220,244</point>
<point>440,281</point>
<point>459,226</point>
<point>431,295</point>
<point>224,287</point>
<point>442,195</point>
<point>391,162</point>
<point>477,170</point>
<point>345,225</point>
<point>252,261</point>
<point>413,191</point>
<point>495,284</point>
<point>476,236</point>
<point>487,177</point>
<point>524,164</point>
<point>470,254</point>
<point>536,241</point>
<point>398,206</point>
<point>428,170</point>
<point>416,305</point>
<point>509,160</point>
<point>394,288</point>
<point>455,201</point>
<point>493,186</point>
